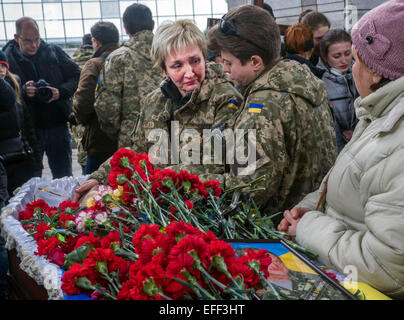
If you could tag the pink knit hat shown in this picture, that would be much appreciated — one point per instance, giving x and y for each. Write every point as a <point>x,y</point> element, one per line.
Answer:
<point>378,38</point>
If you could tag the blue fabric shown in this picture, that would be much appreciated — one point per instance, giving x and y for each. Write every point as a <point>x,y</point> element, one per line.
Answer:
<point>56,142</point>
<point>277,249</point>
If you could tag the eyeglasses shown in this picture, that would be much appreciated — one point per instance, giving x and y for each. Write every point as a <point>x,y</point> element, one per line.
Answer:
<point>228,29</point>
<point>29,41</point>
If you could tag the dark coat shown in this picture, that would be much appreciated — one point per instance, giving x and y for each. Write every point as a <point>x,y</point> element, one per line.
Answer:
<point>16,121</point>
<point>52,64</point>
<point>8,112</point>
<point>9,128</point>
<point>341,95</point>
<point>95,142</point>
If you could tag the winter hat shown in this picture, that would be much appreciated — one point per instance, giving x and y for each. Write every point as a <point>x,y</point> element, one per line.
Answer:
<point>3,59</point>
<point>379,41</point>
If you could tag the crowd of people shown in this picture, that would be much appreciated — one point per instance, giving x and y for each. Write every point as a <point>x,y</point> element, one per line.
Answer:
<point>325,106</point>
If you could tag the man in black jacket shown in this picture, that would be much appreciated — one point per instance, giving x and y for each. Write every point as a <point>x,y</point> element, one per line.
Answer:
<point>33,59</point>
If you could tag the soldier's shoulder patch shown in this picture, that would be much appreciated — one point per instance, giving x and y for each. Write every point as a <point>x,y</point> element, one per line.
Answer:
<point>255,107</point>
<point>233,104</point>
<point>97,86</point>
<point>107,60</point>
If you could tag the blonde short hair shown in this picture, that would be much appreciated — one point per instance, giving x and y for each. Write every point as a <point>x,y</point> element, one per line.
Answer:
<point>174,36</point>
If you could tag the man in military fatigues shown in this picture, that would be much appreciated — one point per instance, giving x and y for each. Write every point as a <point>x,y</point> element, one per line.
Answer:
<point>285,122</point>
<point>82,54</point>
<point>127,77</point>
<point>294,136</point>
<point>209,106</point>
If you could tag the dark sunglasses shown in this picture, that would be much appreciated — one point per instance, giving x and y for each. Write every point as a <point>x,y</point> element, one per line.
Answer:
<point>227,29</point>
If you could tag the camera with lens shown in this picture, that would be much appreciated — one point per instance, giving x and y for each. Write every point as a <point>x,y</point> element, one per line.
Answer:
<point>43,93</point>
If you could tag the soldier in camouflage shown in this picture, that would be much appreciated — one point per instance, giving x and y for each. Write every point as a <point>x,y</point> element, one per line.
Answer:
<point>208,103</point>
<point>127,77</point>
<point>82,54</point>
<point>284,106</point>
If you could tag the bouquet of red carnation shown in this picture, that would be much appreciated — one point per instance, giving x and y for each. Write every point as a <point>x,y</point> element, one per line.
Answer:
<point>160,196</point>
<point>180,262</point>
<point>154,234</point>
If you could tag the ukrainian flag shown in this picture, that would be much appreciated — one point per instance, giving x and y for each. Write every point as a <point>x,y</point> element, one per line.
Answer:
<point>255,108</point>
<point>233,104</point>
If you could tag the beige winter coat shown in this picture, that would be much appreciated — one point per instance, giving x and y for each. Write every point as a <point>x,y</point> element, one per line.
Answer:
<point>361,222</point>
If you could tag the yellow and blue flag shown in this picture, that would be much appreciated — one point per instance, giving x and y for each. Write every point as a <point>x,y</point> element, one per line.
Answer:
<point>233,104</point>
<point>255,107</point>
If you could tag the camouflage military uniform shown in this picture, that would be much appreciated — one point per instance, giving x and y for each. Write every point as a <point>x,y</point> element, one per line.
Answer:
<point>210,106</point>
<point>82,54</point>
<point>127,77</point>
<point>295,139</point>
<point>305,286</point>
<point>77,134</point>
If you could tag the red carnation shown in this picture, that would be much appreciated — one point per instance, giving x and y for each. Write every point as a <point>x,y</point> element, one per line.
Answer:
<point>145,231</point>
<point>260,255</point>
<point>178,230</point>
<point>70,277</point>
<point>57,256</point>
<point>68,204</point>
<point>46,246</point>
<point>238,269</point>
<point>110,238</point>
<point>118,159</point>
<point>63,218</point>
<point>90,239</point>
<point>222,249</point>
<point>28,213</point>
<point>187,253</point>
<point>213,186</point>
<point>103,255</point>
<point>40,230</point>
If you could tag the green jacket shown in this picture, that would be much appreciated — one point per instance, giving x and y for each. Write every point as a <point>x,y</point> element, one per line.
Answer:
<point>127,77</point>
<point>295,143</point>
<point>212,105</point>
<point>82,55</point>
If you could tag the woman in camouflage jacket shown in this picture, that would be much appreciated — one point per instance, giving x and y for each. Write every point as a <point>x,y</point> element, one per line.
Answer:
<point>193,97</point>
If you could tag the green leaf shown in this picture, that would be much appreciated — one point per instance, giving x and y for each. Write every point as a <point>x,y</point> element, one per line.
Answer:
<point>77,256</point>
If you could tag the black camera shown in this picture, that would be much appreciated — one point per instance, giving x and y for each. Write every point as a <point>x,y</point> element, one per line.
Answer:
<point>43,93</point>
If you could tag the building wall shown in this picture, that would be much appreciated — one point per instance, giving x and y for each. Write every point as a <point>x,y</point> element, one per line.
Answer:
<point>341,13</point>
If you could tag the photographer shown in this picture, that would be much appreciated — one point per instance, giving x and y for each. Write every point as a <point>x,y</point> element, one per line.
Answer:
<point>50,78</point>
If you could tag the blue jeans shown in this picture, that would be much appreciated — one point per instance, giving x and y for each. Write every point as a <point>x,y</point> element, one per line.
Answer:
<point>56,142</point>
<point>3,263</point>
<point>93,163</point>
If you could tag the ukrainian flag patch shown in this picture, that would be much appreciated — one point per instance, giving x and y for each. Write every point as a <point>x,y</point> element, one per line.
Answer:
<point>255,107</point>
<point>233,104</point>
<point>98,84</point>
